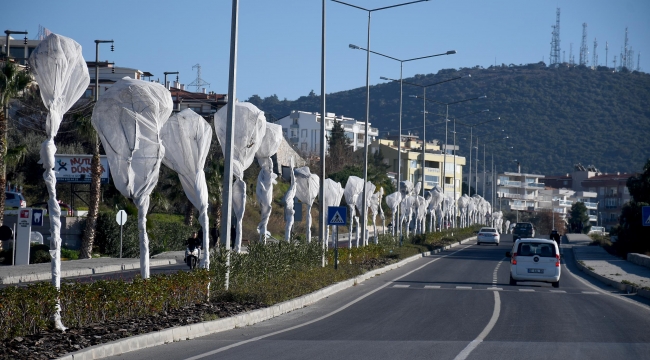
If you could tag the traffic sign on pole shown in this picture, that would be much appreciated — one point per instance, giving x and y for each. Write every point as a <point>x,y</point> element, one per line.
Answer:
<point>645,215</point>
<point>337,215</point>
<point>121,220</point>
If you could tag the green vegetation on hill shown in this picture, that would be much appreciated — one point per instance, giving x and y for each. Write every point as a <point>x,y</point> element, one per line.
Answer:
<point>554,117</point>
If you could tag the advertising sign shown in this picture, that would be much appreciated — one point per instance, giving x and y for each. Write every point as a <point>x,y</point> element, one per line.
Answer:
<point>23,233</point>
<point>37,217</point>
<point>77,169</point>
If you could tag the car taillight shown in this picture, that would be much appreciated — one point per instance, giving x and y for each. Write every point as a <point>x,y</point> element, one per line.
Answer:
<point>23,204</point>
<point>557,262</point>
<point>514,259</point>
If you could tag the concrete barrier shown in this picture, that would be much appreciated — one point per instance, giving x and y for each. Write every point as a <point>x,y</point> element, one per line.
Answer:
<point>639,259</point>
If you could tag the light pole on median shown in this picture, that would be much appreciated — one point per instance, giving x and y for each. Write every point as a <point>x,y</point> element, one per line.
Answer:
<point>399,141</point>
<point>471,133</point>
<point>484,175</point>
<point>364,214</point>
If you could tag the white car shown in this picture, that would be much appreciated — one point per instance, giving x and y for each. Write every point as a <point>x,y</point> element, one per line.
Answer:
<point>488,235</point>
<point>535,260</point>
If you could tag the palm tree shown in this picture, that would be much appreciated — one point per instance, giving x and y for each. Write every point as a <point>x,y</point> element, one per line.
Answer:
<point>12,82</point>
<point>85,129</point>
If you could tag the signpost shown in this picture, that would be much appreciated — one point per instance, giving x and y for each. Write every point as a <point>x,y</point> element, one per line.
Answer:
<point>23,236</point>
<point>645,215</point>
<point>336,215</point>
<point>121,220</point>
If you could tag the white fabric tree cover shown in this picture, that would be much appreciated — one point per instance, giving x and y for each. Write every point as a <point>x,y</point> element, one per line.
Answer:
<point>435,204</point>
<point>129,117</point>
<point>375,208</point>
<point>250,128</point>
<point>186,137</point>
<point>370,188</point>
<point>288,205</point>
<point>307,186</point>
<point>463,201</point>
<point>393,201</point>
<point>333,195</point>
<point>266,178</point>
<point>353,190</point>
<point>62,76</point>
<point>507,226</point>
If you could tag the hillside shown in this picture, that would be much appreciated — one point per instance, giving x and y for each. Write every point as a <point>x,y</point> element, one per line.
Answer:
<point>555,117</point>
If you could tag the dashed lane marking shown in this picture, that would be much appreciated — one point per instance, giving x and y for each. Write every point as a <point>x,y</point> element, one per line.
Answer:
<point>557,291</point>
<point>591,292</point>
<point>494,288</point>
<point>401,286</point>
<point>527,290</point>
<point>431,286</point>
<point>464,287</point>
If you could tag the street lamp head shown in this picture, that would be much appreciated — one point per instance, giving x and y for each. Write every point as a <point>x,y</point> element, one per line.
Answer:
<point>384,78</point>
<point>112,46</point>
<point>352,46</point>
<point>486,110</point>
<point>413,96</point>
<point>466,76</point>
<point>451,52</point>
<point>483,97</point>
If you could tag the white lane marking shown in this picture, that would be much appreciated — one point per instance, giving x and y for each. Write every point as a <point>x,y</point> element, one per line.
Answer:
<point>401,286</point>
<point>585,282</point>
<point>527,290</point>
<point>495,316</point>
<point>496,269</point>
<point>216,351</point>
<point>557,291</point>
<point>464,287</point>
<point>591,292</point>
<point>432,286</point>
<point>494,288</point>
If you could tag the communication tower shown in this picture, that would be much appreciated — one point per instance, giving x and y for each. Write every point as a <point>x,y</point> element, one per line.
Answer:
<point>198,82</point>
<point>624,52</point>
<point>614,63</point>
<point>638,62</point>
<point>572,60</point>
<point>594,61</point>
<point>584,51</point>
<point>555,40</point>
<point>606,54</point>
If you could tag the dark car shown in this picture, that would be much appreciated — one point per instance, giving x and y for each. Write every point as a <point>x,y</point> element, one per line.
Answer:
<point>523,230</point>
<point>555,236</point>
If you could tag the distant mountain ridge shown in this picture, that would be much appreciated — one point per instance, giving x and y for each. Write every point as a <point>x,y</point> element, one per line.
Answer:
<point>554,117</point>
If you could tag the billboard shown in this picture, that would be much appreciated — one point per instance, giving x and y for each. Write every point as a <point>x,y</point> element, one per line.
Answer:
<point>76,168</point>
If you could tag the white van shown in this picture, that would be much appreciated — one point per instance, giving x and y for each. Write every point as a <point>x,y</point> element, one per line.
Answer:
<point>535,260</point>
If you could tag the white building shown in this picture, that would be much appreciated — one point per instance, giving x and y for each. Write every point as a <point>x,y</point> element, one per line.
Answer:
<point>520,190</point>
<point>561,200</point>
<point>302,130</point>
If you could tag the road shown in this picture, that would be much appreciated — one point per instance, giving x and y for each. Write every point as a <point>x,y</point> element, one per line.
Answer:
<point>442,307</point>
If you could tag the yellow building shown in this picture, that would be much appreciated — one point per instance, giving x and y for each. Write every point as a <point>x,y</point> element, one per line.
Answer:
<point>412,162</point>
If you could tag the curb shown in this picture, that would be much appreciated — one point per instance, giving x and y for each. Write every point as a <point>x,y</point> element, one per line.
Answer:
<point>90,270</point>
<point>188,332</point>
<point>613,283</point>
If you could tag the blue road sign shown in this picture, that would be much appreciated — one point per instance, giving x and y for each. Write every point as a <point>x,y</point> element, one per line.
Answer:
<point>37,217</point>
<point>337,215</point>
<point>645,215</point>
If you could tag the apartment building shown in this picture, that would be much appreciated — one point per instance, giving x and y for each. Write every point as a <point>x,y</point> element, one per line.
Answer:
<point>561,201</point>
<point>519,191</point>
<point>302,130</point>
<point>411,161</point>
<point>612,194</point>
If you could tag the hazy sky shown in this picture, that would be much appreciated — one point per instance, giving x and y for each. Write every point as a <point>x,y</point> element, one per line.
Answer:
<point>279,40</point>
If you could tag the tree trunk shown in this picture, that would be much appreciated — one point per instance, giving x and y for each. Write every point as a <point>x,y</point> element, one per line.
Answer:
<point>93,208</point>
<point>189,213</point>
<point>3,164</point>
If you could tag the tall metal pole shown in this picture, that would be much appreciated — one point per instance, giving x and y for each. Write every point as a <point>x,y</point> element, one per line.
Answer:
<point>323,118</point>
<point>444,159</point>
<point>469,177</point>
<point>226,206</point>
<point>476,168</point>
<point>364,211</point>
<point>484,170</point>
<point>399,153</point>
<point>455,206</point>
<point>424,134</point>
<point>97,70</point>
<point>493,187</point>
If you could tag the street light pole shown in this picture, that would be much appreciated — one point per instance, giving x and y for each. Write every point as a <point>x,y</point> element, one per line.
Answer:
<point>8,32</point>
<point>226,205</point>
<point>97,42</point>
<point>364,210</point>
<point>169,73</point>
<point>323,145</point>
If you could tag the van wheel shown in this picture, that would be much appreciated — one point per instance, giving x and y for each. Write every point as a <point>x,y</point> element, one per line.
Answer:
<point>478,243</point>
<point>556,284</point>
<point>512,281</point>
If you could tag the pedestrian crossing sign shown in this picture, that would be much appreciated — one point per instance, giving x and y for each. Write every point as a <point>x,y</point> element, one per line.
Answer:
<point>645,215</point>
<point>336,215</point>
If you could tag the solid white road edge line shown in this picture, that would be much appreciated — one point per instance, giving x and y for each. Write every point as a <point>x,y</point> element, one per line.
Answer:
<point>216,351</point>
<point>479,339</point>
<point>643,306</point>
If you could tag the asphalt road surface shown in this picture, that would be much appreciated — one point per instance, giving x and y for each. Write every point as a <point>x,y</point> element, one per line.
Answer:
<point>454,305</point>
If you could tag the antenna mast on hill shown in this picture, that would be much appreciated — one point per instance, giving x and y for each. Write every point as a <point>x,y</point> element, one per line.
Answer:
<point>555,40</point>
<point>584,51</point>
<point>624,53</point>
<point>594,62</point>
<point>198,82</point>
<point>638,62</point>
<point>572,60</point>
<point>606,54</point>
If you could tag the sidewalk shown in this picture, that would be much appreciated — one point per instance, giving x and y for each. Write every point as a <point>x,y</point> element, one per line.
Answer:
<point>41,272</point>
<point>611,270</point>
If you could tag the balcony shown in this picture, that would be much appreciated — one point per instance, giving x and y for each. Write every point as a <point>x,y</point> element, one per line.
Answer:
<point>535,185</point>
<point>591,205</point>
<point>509,183</point>
<point>565,202</point>
<point>429,170</point>
<point>518,207</point>
<point>593,218</point>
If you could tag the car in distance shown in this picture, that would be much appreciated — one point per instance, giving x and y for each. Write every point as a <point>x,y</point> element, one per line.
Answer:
<point>488,235</point>
<point>535,260</point>
<point>523,230</point>
<point>14,200</point>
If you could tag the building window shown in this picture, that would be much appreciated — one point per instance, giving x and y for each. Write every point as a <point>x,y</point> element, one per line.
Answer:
<point>414,164</point>
<point>295,121</point>
<point>611,203</point>
<point>304,133</point>
<point>432,179</point>
<point>613,217</point>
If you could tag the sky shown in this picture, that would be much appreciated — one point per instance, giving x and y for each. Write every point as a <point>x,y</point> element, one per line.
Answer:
<point>280,40</point>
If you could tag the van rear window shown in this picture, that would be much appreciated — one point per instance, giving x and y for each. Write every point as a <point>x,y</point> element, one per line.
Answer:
<point>534,248</point>
<point>526,226</point>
